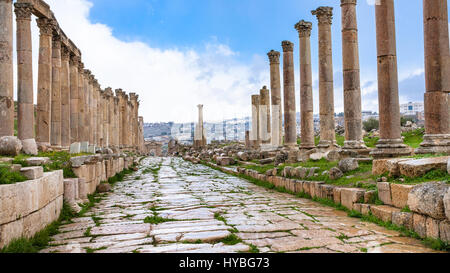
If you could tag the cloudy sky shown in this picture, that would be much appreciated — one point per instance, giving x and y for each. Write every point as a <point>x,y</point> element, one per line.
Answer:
<point>179,53</point>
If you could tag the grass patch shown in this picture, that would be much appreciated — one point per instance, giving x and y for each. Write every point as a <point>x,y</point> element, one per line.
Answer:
<point>155,219</point>
<point>414,138</point>
<point>434,175</point>
<point>9,177</point>
<point>231,240</point>
<point>41,239</point>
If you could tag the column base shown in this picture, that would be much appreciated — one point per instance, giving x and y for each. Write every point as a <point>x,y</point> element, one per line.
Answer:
<point>269,148</point>
<point>43,146</point>
<point>292,151</point>
<point>356,146</point>
<point>327,144</point>
<point>29,146</point>
<point>389,148</point>
<point>435,144</point>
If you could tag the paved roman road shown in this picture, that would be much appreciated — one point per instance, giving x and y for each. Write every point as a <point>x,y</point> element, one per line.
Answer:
<point>209,206</point>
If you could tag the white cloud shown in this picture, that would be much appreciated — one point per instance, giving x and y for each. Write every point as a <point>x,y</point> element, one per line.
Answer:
<point>170,82</point>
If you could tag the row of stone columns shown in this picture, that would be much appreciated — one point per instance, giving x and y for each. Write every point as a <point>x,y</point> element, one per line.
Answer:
<point>437,74</point>
<point>71,106</point>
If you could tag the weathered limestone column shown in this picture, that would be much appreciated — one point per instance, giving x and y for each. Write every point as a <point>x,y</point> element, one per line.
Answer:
<point>87,113</point>
<point>98,114</point>
<point>264,115</point>
<point>82,104</point>
<point>55,137</point>
<point>120,113</point>
<point>390,143</point>
<point>137,135</point>
<point>198,141</point>
<point>351,72</point>
<point>306,95</point>
<point>6,69</point>
<point>275,85</point>
<point>129,112</point>
<point>25,113</point>
<point>437,78</point>
<point>65,97</point>
<point>74,99</point>
<point>326,93</point>
<point>116,122</point>
<point>255,138</point>
<point>44,95</point>
<point>92,112</point>
<point>290,122</point>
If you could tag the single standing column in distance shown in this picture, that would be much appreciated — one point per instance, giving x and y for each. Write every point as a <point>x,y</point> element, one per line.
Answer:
<point>255,138</point>
<point>264,115</point>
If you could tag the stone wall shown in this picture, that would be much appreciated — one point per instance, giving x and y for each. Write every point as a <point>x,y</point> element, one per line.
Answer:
<point>28,207</point>
<point>423,208</point>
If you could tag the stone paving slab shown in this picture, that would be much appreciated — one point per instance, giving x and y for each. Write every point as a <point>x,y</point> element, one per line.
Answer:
<point>198,208</point>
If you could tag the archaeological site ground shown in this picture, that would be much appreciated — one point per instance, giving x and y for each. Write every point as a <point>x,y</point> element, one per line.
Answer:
<point>78,173</point>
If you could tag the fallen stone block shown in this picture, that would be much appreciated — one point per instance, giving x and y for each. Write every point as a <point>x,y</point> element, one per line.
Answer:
<point>6,160</point>
<point>399,194</point>
<point>348,164</point>
<point>75,148</point>
<point>403,219</point>
<point>335,173</point>
<point>317,156</point>
<point>71,190</point>
<point>384,212</point>
<point>10,146</point>
<point>37,161</point>
<point>419,167</point>
<point>384,192</point>
<point>32,173</point>
<point>444,231</point>
<point>29,147</point>
<point>349,196</point>
<point>428,199</point>
<point>301,172</point>
<point>420,224</point>
<point>104,187</point>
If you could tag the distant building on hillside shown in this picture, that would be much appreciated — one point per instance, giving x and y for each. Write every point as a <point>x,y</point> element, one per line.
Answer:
<point>411,108</point>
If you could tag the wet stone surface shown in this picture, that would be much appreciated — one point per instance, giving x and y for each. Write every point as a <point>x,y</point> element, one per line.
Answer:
<point>170,205</point>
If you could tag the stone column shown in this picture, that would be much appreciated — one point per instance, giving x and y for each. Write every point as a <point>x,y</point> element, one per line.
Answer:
<point>120,111</point>
<point>390,143</point>
<point>6,69</point>
<point>290,121</point>
<point>437,78</point>
<point>65,97</point>
<point>306,95</point>
<point>81,104</point>
<point>255,138</point>
<point>25,111</point>
<point>74,99</point>
<point>264,115</point>
<point>55,137</point>
<point>87,113</point>
<point>92,112</point>
<point>326,93</point>
<point>351,72</point>
<point>275,86</point>
<point>116,135</point>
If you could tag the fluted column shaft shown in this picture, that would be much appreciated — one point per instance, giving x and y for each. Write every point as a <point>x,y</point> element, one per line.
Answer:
<point>82,104</point>
<point>25,115</point>
<point>74,99</point>
<point>264,115</point>
<point>275,86</point>
<point>255,138</point>
<point>290,122</point>
<point>65,97</point>
<point>6,69</point>
<point>306,94</point>
<point>55,137</point>
<point>326,86</point>
<point>44,95</point>
<point>92,125</point>
<point>351,73</point>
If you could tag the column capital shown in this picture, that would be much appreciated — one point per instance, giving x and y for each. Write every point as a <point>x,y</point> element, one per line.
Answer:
<point>23,11</point>
<point>304,28</point>
<point>56,41</point>
<point>274,57</point>
<point>80,66</point>
<point>74,60</point>
<point>287,46</point>
<point>324,15</point>
<point>46,25</point>
<point>348,2</point>
<point>87,73</point>
<point>65,53</point>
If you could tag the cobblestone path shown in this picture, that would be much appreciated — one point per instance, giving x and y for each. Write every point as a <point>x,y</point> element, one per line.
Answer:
<point>212,212</point>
